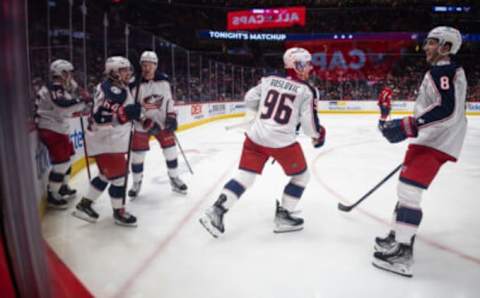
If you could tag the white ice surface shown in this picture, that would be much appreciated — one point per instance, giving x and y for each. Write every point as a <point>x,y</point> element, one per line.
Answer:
<point>170,255</point>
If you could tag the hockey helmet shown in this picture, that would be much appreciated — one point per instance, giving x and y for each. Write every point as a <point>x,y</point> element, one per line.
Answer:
<point>296,58</point>
<point>447,35</point>
<point>149,56</point>
<point>60,66</point>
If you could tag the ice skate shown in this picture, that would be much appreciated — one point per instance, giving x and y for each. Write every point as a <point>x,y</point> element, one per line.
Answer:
<point>212,221</point>
<point>178,185</point>
<point>135,190</point>
<point>398,260</point>
<point>67,193</point>
<point>84,210</point>
<point>123,218</point>
<point>55,201</point>
<point>386,243</point>
<point>285,222</point>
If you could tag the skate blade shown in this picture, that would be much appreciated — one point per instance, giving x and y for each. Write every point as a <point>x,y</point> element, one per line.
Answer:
<point>287,229</point>
<point>182,192</point>
<point>130,225</point>
<point>393,268</point>
<point>69,197</point>
<point>57,207</point>
<point>209,227</point>
<point>83,216</point>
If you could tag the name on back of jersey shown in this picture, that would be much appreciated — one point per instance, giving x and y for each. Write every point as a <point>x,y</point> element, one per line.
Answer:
<point>284,85</point>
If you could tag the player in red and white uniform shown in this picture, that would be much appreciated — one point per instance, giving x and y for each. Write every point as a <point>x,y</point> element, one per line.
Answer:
<point>160,121</point>
<point>108,138</point>
<point>385,103</point>
<point>56,102</point>
<point>278,104</point>
<point>438,129</point>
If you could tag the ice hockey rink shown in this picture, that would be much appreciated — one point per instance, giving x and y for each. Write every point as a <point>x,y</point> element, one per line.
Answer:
<point>170,255</point>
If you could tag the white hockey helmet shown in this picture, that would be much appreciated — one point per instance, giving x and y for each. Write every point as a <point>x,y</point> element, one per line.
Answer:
<point>296,56</point>
<point>59,66</point>
<point>115,63</point>
<point>149,56</point>
<point>446,35</point>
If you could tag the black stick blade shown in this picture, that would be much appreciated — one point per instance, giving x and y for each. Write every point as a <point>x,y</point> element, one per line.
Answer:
<point>344,208</point>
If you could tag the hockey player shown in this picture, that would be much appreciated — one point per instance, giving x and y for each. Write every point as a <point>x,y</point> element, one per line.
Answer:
<point>282,102</point>
<point>108,141</point>
<point>160,121</point>
<point>56,102</point>
<point>438,127</point>
<point>385,103</point>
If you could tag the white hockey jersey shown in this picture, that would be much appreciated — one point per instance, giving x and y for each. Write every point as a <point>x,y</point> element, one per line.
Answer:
<point>155,96</point>
<point>440,109</point>
<point>106,134</point>
<point>282,104</point>
<point>55,104</point>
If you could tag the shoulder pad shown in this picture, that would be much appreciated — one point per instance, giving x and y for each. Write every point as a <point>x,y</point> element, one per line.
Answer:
<point>112,92</point>
<point>55,87</point>
<point>161,76</point>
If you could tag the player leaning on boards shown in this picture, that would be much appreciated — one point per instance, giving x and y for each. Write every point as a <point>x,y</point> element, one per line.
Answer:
<point>108,140</point>
<point>439,125</point>
<point>56,102</point>
<point>160,121</point>
<point>281,102</point>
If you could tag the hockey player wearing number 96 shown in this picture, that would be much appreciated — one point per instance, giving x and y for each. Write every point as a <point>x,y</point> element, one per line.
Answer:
<point>277,105</point>
<point>438,127</point>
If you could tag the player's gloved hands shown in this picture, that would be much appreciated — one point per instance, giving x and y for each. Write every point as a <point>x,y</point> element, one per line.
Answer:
<point>129,112</point>
<point>171,123</point>
<point>85,96</point>
<point>398,130</point>
<point>151,127</point>
<point>318,142</point>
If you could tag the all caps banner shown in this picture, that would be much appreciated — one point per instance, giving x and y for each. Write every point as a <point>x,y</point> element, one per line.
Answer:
<point>280,17</point>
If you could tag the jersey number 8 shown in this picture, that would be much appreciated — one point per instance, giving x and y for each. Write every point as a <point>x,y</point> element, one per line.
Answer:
<point>277,102</point>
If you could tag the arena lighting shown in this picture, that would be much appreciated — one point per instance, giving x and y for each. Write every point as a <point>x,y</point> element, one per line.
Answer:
<point>451,9</point>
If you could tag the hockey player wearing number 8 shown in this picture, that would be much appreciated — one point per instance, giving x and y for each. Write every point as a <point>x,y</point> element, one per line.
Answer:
<point>108,137</point>
<point>277,104</point>
<point>160,121</point>
<point>438,127</point>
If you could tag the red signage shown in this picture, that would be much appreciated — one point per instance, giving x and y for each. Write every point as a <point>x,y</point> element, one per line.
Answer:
<point>196,109</point>
<point>351,60</point>
<point>266,18</point>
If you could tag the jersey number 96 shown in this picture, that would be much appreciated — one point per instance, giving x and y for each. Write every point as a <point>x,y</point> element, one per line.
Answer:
<point>276,102</point>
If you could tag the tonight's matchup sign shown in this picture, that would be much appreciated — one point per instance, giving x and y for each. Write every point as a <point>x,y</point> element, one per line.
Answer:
<point>266,18</point>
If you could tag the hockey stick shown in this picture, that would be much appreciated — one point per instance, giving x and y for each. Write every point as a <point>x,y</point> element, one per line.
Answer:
<point>183,153</point>
<point>348,208</point>
<point>238,125</point>
<point>130,140</point>
<point>85,152</point>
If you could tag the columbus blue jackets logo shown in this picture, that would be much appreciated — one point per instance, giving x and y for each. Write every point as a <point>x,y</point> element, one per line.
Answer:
<point>115,90</point>
<point>153,101</point>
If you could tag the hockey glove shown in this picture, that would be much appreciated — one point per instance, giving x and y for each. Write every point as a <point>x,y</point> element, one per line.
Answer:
<point>129,112</point>
<point>85,96</point>
<point>399,129</point>
<point>171,123</point>
<point>151,127</point>
<point>317,143</point>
